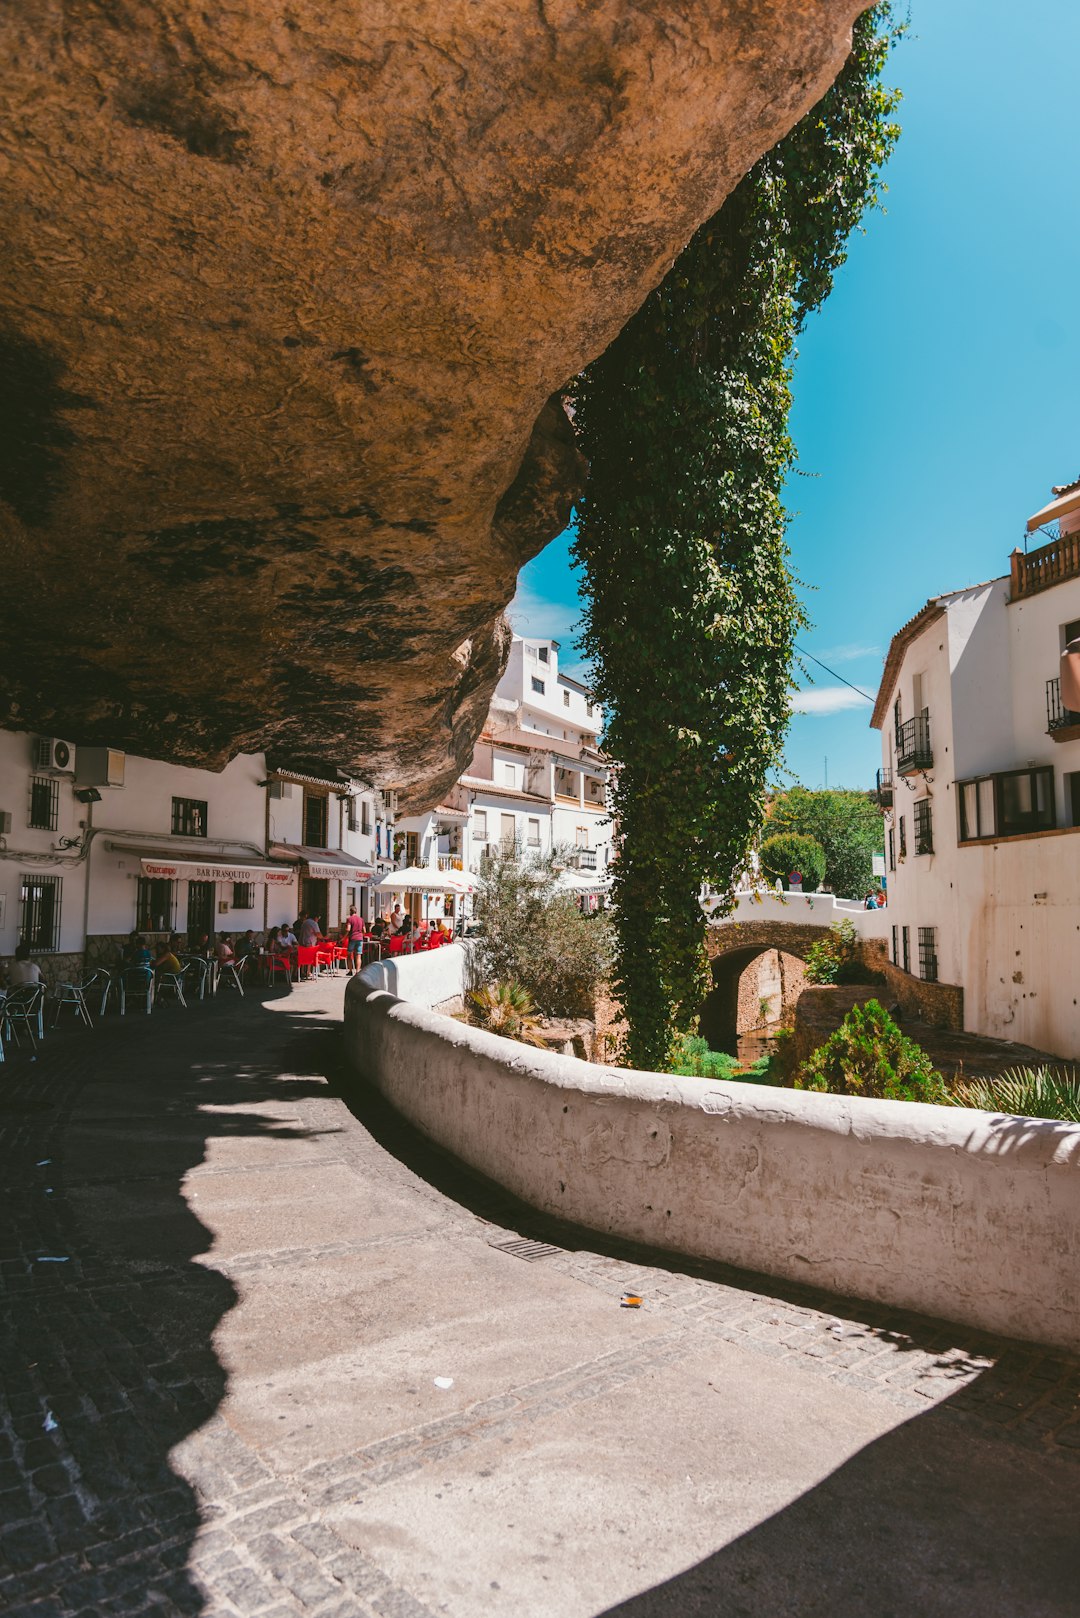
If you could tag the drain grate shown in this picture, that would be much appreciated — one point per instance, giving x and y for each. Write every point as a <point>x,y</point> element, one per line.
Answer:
<point>518,1247</point>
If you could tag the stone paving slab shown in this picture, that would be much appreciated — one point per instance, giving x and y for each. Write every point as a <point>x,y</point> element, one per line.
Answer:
<point>223,1400</point>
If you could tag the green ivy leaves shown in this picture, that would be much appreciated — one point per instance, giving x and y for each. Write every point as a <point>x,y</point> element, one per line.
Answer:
<point>690,612</point>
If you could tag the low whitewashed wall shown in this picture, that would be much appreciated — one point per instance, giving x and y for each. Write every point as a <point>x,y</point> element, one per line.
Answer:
<point>427,979</point>
<point>958,1214</point>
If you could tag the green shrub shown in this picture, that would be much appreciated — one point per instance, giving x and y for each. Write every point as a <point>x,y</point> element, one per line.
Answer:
<point>1029,1092</point>
<point>836,958</point>
<point>692,1059</point>
<point>869,1055</point>
<point>790,851</point>
<point>534,935</point>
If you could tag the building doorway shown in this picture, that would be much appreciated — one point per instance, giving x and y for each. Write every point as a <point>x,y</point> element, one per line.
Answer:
<point>315,900</point>
<point>200,911</point>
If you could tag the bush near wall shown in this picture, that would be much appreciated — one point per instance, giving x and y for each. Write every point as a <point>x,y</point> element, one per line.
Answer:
<point>869,1055</point>
<point>790,851</point>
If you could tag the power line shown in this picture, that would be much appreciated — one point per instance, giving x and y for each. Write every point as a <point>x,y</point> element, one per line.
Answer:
<point>834,674</point>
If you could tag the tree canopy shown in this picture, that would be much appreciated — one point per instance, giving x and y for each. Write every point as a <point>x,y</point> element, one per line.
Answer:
<point>846,824</point>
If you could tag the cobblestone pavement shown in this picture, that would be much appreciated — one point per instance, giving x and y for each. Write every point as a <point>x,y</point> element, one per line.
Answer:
<point>169,1446</point>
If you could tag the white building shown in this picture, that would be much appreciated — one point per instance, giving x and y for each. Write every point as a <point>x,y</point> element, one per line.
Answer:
<point>95,843</point>
<point>980,784</point>
<point>537,778</point>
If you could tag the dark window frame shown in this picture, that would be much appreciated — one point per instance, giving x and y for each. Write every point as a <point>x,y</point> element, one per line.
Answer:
<point>243,896</point>
<point>1005,825</point>
<point>923,828</point>
<point>43,813</point>
<point>905,941</point>
<point>539,685</point>
<point>903,837</point>
<point>542,653</point>
<point>895,945</point>
<point>928,963</point>
<point>40,903</point>
<point>892,848</point>
<point>321,821</point>
<point>149,893</point>
<point>189,817</point>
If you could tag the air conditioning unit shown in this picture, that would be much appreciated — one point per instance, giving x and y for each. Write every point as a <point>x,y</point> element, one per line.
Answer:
<point>100,767</point>
<point>50,754</point>
<point>5,822</point>
<point>281,789</point>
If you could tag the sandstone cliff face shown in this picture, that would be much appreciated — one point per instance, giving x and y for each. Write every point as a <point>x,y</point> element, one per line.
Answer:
<point>288,297</point>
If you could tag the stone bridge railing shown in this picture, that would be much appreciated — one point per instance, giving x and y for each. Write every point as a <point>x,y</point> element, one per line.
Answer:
<point>816,910</point>
<point>959,1214</point>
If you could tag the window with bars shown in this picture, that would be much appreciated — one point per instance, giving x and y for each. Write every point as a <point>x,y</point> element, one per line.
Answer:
<point>903,837</point>
<point>316,818</point>
<point>538,685</point>
<point>188,817</point>
<point>892,849</point>
<point>352,814</point>
<point>44,803</point>
<point>566,699</point>
<point>39,911</point>
<point>243,895</point>
<point>905,942</point>
<point>924,827</point>
<point>542,653</point>
<point>155,905</point>
<point>365,817</point>
<point>895,946</point>
<point>928,953</point>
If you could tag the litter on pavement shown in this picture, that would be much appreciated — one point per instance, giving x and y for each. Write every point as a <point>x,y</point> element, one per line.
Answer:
<point>444,1382</point>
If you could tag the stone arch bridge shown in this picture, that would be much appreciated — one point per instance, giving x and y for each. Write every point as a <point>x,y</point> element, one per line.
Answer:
<point>767,921</point>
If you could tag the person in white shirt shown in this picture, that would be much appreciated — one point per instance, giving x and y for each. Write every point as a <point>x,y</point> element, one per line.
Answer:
<point>287,938</point>
<point>23,971</point>
<point>397,916</point>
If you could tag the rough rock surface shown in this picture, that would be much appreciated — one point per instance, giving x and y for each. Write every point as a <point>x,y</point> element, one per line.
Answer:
<point>288,296</point>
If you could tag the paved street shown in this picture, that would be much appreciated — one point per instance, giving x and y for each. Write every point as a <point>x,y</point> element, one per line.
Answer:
<point>233,1279</point>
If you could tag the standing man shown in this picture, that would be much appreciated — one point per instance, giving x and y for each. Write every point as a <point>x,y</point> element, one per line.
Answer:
<point>354,939</point>
<point>309,931</point>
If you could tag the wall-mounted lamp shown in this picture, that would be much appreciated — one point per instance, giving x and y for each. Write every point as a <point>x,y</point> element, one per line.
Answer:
<point>88,794</point>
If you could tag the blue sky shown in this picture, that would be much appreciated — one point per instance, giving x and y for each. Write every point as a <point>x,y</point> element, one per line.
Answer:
<point>936,394</point>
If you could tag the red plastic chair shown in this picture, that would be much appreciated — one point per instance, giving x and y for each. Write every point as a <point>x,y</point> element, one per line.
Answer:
<point>278,965</point>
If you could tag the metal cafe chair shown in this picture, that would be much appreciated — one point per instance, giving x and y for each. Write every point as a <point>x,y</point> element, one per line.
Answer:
<point>23,1007</point>
<point>197,973</point>
<point>74,994</point>
<point>170,982</point>
<point>232,973</point>
<point>137,983</point>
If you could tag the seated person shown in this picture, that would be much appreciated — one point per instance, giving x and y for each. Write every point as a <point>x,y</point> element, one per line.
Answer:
<point>286,937</point>
<point>166,959</point>
<point>378,928</point>
<point>247,945</point>
<point>23,972</point>
<point>129,955</point>
<point>224,950</point>
<point>405,927</point>
<point>273,941</point>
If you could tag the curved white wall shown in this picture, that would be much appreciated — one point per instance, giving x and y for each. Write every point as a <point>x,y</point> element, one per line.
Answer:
<point>954,1213</point>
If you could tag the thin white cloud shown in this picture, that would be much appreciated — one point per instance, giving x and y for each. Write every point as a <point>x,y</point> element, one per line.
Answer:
<point>826,699</point>
<point>850,653</point>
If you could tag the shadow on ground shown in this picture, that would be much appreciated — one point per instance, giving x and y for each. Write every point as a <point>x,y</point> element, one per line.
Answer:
<point>106,1337</point>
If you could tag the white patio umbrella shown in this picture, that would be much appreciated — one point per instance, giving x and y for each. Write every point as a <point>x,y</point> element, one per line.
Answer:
<point>415,879</point>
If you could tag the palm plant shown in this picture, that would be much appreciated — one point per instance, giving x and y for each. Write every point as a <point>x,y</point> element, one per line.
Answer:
<point>1027,1092</point>
<point>507,1009</point>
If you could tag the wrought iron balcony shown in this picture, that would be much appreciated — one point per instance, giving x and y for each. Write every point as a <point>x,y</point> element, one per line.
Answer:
<point>1057,717</point>
<point>913,750</point>
<point>582,859</point>
<point>884,791</point>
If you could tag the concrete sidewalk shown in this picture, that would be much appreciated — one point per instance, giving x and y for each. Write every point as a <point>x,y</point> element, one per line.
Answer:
<point>224,1399</point>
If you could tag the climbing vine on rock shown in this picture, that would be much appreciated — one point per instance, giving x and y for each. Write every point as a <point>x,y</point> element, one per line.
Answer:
<point>690,611</point>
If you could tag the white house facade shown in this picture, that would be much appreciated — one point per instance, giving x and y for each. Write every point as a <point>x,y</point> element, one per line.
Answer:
<point>980,785</point>
<point>95,843</point>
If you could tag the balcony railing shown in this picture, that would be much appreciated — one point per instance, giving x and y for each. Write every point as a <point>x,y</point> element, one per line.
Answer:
<point>1057,717</point>
<point>884,792</point>
<point>582,859</point>
<point>913,750</point>
<point>1050,564</point>
<point>450,862</point>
